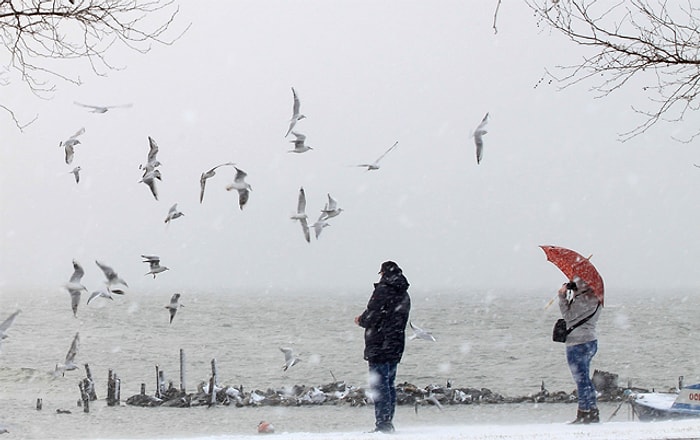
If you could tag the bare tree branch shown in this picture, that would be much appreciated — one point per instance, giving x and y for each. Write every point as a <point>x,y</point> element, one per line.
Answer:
<point>655,40</point>
<point>495,17</point>
<point>41,35</point>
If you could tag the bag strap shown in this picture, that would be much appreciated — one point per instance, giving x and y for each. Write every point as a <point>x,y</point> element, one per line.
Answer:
<point>584,320</point>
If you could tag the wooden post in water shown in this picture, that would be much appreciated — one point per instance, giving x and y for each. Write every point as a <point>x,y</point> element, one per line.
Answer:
<point>157,394</point>
<point>212,383</point>
<point>182,370</point>
<point>90,384</point>
<point>143,389</point>
<point>112,392</point>
<point>161,383</point>
<point>39,403</point>
<point>84,396</point>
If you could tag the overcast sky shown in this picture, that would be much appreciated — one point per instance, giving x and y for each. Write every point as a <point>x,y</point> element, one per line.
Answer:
<point>368,74</point>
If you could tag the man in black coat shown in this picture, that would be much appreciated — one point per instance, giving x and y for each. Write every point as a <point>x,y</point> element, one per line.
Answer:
<point>384,321</point>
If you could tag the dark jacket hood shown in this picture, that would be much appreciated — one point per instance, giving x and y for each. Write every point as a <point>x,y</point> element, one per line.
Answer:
<point>395,280</point>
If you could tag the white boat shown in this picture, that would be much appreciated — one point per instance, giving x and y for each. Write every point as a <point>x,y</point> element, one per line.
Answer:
<point>664,406</point>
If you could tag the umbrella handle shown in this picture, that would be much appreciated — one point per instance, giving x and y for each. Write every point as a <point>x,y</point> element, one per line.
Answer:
<point>551,301</point>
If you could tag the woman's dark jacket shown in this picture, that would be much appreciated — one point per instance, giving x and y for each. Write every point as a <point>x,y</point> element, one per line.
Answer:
<point>385,319</point>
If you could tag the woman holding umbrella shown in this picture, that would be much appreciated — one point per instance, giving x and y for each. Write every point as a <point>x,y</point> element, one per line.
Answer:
<point>580,308</point>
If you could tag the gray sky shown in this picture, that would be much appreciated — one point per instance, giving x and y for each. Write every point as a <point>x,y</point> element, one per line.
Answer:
<point>368,74</point>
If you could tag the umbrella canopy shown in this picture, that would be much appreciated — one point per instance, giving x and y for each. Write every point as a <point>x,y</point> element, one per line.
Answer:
<point>572,264</point>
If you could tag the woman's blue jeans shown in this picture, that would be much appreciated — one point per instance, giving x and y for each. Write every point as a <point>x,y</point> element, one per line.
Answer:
<point>382,377</point>
<point>579,357</point>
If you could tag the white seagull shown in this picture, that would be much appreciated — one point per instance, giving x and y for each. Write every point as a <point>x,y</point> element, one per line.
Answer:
<point>331,209</point>
<point>104,293</point>
<point>111,275</point>
<point>290,359</point>
<point>149,178</point>
<point>70,143</point>
<point>419,333</point>
<point>69,364</point>
<point>154,262</point>
<point>152,161</point>
<point>76,173</point>
<point>299,145</point>
<point>173,213</point>
<point>101,108</point>
<point>6,325</point>
<point>74,286</point>
<point>240,185</point>
<point>174,305</point>
<point>301,214</point>
<point>296,115</point>
<point>207,175</point>
<point>319,225</point>
<point>375,165</point>
<point>478,137</point>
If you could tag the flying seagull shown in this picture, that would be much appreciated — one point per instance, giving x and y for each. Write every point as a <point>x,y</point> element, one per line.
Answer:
<point>299,145</point>
<point>154,262</point>
<point>296,115</point>
<point>331,209</point>
<point>173,213</point>
<point>69,145</point>
<point>207,175</point>
<point>173,306</point>
<point>301,214</point>
<point>478,138</point>
<point>76,173</point>
<point>74,286</point>
<point>149,178</point>
<point>101,108</point>
<point>6,325</point>
<point>69,364</point>
<point>319,225</point>
<point>240,185</point>
<point>290,359</point>
<point>419,333</point>
<point>111,275</point>
<point>152,161</point>
<point>104,293</point>
<point>375,165</point>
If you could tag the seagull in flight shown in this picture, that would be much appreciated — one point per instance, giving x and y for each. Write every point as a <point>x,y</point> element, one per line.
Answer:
<point>290,359</point>
<point>331,209</point>
<point>173,213</point>
<point>174,305</point>
<point>478,138</point>
<point>240,185</point>
<point>319,225</point>
<point>149,178</point>
<point>301,215</point>
<point>6,325</point>
<point>111,275</point>
<point>207,175</point>
<point>69,364</point>
<point>104,293</point>
<point>375,165</point>
<point>296,115</point>
<point>76,173</point>
<point>74,286</point>
<point>69,145</point>
<point>299,145</point>
<point>101,108</point>
<point>419,333</point>
<point>152,161</point>
<point>154,262</point>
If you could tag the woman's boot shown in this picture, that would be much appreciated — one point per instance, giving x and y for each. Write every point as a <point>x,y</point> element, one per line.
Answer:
<point>582,416</point>
<point>593,416</point>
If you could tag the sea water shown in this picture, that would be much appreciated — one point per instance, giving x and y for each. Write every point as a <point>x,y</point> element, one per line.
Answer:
<point>493,339</point>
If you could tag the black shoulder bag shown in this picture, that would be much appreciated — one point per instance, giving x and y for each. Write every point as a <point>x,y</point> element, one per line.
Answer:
<point>560,332</point>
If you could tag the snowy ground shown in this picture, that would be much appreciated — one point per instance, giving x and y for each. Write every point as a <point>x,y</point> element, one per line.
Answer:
<point>668,430</point>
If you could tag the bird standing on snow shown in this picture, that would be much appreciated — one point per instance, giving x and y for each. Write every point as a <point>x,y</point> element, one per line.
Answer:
<point>240,185</point>
<point>478,138</point>
<point>296,115</point>
<point>174,305</point>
